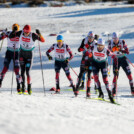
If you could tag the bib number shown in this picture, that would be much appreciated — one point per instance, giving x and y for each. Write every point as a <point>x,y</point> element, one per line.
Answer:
<point>60,56</point>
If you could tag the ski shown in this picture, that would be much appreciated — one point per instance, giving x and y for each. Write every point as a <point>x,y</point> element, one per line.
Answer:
<point>101,99</point>
<point>72,90</point>
<point>128,96</point>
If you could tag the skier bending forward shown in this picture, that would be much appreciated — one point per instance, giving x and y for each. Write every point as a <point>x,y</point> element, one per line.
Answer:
<point>100,62</point>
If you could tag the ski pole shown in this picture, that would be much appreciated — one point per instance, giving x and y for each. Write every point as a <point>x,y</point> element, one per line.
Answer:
<point>110,68</point>
<point>73,70</point>
<point>41,68</point>
<point>1,45</point>
<point>130,62</point>
<point>13,66</point>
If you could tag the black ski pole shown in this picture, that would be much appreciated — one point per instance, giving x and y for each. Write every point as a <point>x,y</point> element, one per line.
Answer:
<point>41,68</point>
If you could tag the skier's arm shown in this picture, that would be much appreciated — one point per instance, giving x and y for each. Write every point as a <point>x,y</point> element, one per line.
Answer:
<point>81,48</point>
<point>70,52</point>
<point>50,50</point>
<point>38,36</point>
<point>126,50</point>
<point>2,36</point>
<point>109,45</point>
<point>14,34</point>
<point>109,53</point>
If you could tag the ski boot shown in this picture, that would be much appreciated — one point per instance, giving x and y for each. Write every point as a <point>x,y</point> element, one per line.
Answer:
<point>23,89</point>
<point>101,95</point>
<point>73,86</point>
<point>113,92</point>
<point>29,89</point>
<point>57,91</point>
<point>132,91</point>
<point>76,93</point>
<point>52,89</point>
<point>0,83</point>
<point>19,89</point>
<point>82,86</point>
<point>110,96</point>
<point>88,92</point>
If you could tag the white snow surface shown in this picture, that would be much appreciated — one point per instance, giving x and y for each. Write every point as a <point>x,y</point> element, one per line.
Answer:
<point>21,114</point>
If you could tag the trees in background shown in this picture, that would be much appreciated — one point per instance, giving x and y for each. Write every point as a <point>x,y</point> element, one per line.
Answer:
<point>36,2</point>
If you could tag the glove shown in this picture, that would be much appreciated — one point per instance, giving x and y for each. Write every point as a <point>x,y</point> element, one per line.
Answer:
<point>38,31</point>
<point>67,61</point>
<point>113,56</point>
<point>87,46</point>
<point>81,49</point>
<point>96,37</point>
<point>90,55</point>
<point>50,57</point>
<point>116,71</point>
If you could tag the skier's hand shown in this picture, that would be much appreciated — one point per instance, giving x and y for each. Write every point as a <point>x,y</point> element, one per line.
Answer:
<point>113,56</point>
<point>116,71</point>
<point>81,49</point>
<point>87,46</point>
<point>67,61</point>
<point>50,57</point>
<point>4,31</point>
<point>96,37</point>
<point>38,31</point>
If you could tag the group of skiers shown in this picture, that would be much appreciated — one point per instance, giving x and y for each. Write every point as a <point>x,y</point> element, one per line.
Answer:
<point>95,58</point>
<point>20,45</point>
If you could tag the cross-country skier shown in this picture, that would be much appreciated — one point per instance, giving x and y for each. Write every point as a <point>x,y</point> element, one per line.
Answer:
<point>86,45</point>
<point>12,53</point>
<point>27,45</point>
<point>61,60</point>
<point>119,47</point>
<point>100,63</point>
<point>81,48</point>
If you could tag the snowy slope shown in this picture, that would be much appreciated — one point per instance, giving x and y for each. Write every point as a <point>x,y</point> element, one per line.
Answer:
<point>62,113</point>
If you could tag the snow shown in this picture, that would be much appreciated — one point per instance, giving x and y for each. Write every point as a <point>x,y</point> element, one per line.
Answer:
<point>62,113</point>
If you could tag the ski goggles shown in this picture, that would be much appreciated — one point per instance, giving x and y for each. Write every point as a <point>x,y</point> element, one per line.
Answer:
<point>90,37</point>
<point>59,40</point>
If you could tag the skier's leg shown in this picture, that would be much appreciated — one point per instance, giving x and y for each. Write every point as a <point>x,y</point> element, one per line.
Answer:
<point>104,71</point>
<point>16,70</point>
<point>88,83</point>
<point>128,72</point>
<point>23,69</point>
<point>57,72</point>
<point>116,67</point>
<point>82,82</point>
<point>67,72</point>
<point>96,78</point>
<point>28,69</point>
<point>7,61</point>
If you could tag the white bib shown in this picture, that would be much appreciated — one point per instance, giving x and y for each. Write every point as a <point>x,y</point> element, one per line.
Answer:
<point>13,43</point>
<point>27,43</point>
<point>60,53</point>
<point>99,56</point>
